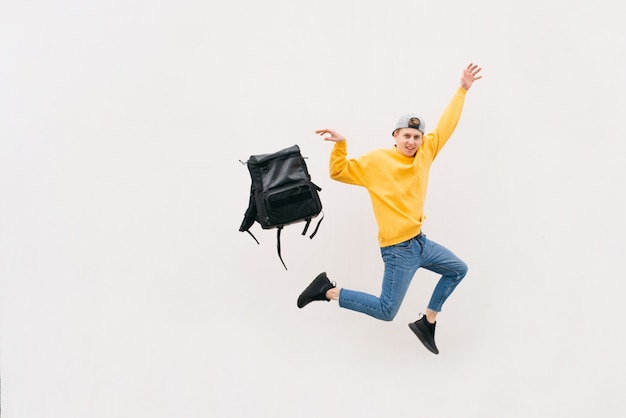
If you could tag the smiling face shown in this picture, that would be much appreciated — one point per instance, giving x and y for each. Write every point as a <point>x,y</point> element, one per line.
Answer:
<point>408,140</point>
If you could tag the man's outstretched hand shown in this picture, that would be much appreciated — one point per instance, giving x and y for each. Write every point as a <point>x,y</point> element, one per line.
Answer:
<point>334,136</point>
<point>470,74</point>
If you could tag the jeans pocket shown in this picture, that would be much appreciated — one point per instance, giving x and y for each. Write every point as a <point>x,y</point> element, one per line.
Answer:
<point>397,250</point>
<point>404,245</point>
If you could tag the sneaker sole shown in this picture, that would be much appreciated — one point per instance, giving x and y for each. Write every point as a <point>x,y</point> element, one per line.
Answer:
<point>419,334</point>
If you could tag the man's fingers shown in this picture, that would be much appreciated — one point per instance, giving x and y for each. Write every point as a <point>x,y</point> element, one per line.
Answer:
<point>472,71</point>
<point>473,68</point>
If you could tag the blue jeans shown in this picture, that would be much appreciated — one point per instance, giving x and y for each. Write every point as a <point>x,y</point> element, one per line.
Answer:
<point>401,262</point>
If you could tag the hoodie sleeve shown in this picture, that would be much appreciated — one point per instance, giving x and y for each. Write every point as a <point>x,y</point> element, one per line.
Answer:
<point>447,122</point>
<point>351,171</point>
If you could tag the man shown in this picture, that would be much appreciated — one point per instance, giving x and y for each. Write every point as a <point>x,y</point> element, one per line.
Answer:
<point>396,180</point>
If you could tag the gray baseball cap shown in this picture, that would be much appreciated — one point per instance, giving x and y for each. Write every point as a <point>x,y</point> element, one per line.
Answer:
<point>410,120</point>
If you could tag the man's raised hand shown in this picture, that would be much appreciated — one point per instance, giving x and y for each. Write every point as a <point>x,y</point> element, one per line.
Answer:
<point>470,74</point>
<point>334,136</point>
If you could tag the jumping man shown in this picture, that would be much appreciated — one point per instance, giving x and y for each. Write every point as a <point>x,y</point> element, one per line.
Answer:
<point>396,180</point>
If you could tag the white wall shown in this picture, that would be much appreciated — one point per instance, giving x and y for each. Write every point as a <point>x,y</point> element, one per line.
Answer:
<point>127,290</point>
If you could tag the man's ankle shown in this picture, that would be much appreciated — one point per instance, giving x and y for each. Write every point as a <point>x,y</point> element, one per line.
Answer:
<point>431,316</point>
<point>332,294</point>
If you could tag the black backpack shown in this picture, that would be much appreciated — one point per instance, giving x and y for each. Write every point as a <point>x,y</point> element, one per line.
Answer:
<point>281,193</point>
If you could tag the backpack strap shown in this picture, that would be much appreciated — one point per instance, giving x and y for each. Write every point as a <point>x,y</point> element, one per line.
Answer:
<point>306,227</point>
<point>250,215</point>
<point>278,245</point>
<point>317,226</point>
<point>257,241</point>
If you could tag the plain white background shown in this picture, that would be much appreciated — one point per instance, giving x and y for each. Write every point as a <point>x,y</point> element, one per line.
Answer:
<point>127,290</point>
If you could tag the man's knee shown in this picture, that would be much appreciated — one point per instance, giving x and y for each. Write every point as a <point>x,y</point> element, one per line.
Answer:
<point>388,313</point>
<point>462,270</point>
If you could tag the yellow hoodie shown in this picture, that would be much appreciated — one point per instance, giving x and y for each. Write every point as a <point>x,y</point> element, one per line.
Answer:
<point>397,184</point>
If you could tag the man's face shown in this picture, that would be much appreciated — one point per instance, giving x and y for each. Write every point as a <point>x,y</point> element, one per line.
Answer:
<point>408,140</point>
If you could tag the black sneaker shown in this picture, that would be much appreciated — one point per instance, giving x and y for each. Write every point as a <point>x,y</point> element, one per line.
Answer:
<point>316,290</point>
<point>425,331</point>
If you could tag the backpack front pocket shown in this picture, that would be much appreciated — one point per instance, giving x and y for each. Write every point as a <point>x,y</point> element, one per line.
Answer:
<point>293,203</point>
